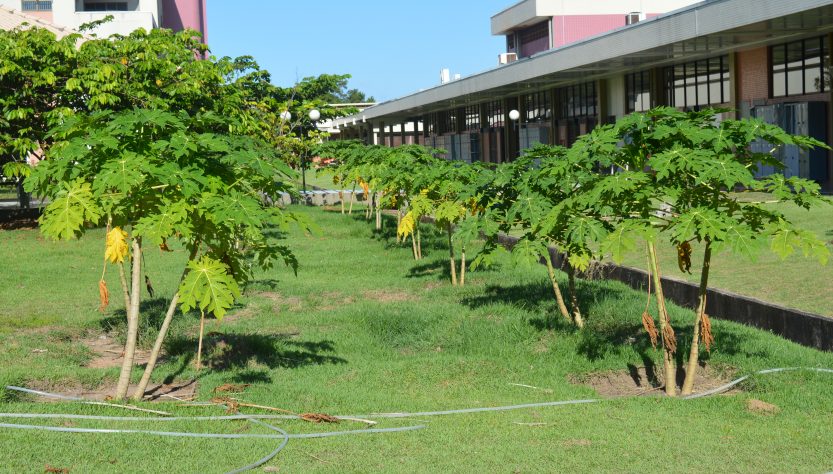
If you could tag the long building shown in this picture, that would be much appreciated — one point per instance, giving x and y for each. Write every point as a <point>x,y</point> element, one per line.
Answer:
<point>128,15</point>
<point>759,58</point>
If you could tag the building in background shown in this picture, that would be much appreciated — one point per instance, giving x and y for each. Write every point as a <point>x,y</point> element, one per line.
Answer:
<point>533,26</point>
<point>128,15</point>
<point>758,58</point>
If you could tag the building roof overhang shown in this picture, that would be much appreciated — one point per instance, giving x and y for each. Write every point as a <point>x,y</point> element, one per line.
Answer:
<point>703,30</point>
<point>11,19</point>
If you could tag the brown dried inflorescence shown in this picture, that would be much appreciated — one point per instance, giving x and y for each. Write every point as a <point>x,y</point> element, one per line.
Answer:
<point>103,296</point>
<point>684,257</point>
<point>318,418</point>
<point>706,336</point>
<point>669,339</point>
<point>650,328</point>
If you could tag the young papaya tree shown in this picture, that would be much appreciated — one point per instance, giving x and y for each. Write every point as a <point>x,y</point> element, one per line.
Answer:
<point>159,152</point>
<point>514,203</point>
<point>155,177</point>
<point>695,165</point>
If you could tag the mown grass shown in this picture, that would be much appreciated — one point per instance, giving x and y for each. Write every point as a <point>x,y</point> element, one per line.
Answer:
<point>363,328</point>
<point>321,178</point>
<point>796,282</point>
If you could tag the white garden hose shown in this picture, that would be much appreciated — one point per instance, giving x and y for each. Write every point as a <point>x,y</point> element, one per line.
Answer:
<point>284,436</point>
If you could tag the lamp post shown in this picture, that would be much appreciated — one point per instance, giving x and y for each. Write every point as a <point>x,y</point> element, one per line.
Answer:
<point>514,115</point>
<point>314,115</point>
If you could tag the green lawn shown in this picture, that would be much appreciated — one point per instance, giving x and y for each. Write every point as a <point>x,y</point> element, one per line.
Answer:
<point>321,178</point>
<point>796,282</point>
<point>363,329</point>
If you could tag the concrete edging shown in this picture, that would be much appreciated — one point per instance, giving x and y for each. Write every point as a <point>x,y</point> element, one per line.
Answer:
<point>804,328</point>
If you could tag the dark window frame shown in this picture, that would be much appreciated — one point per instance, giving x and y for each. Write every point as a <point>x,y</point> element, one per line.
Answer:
<point>637,84</point>
<point>577,100</point>
<point>104,6</point>
<point>472,117</point>
<point>36,5</point>
<point>784,62</point>
<point>711,76</point>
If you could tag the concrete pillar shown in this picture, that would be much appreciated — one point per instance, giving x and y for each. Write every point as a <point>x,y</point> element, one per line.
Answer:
<point>602,105</point>
<point>415,122</point>
<point>390,135</point>
<point>828,186</point>
<point>382,133</point>
<point>402,133</point>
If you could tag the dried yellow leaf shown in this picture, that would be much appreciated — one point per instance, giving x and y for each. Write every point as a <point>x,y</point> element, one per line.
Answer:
<point>116,249</point>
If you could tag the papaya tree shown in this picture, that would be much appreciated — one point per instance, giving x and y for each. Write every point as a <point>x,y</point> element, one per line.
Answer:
<point>684,170</point>
<point>154,177</point>
<point>160,151</point>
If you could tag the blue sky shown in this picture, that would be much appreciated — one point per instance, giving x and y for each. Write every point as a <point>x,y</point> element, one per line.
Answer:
<point>391,48</point>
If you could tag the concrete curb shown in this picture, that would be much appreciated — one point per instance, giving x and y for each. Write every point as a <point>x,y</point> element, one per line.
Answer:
<point>804,328</point>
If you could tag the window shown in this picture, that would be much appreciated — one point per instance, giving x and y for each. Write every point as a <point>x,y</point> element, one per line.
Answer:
<point>638,88</point>
<point>105,6</point>
<point>537,107</point>
<point>36,6</point>
<point>494,114</point>
<point>534,39</point>
<point>800,67</point>
<point>578,100</point>
<point>472,113</point>
<point>699,83</point>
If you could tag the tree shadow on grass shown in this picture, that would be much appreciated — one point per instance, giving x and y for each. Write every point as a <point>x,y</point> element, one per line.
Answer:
<point>438,268</point>
<point>540,296</point>
<point>227,352</point>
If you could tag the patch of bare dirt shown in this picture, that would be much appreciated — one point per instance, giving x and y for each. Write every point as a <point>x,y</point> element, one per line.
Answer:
<point>243,313</point>
<point>764,408</point>
<point>280,302</point>
<point>331,300</point>
<point>576,443</point>
<point>184,390</point>
<point>388,296</point>
<point>641,381</point>
<point>109,352</point>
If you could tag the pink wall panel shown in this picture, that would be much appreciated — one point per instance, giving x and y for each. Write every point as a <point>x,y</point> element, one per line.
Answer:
<point>571,28</point>
<point>181,14</point>
<point>568,29</point>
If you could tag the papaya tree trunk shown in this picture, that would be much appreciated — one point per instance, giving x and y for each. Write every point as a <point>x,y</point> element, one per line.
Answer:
<point>571,285</point>
<point>463,266</point>
<point>413,246</point>
<point>378,211</point>
<point>139,394</point>
<point>352,198</point>
<point>669,342</point>
<point>398,223</point>
<point>199,344</point>
<point>418,240</point>
<point>125,289</point>
<point>559,298</point>
<point>452,261</point>
<point>691,368</point>
<point>132,320</point>
<point>160,338</point>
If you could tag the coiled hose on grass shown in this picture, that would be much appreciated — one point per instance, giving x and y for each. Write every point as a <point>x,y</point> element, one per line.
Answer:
<point>285,437</point>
